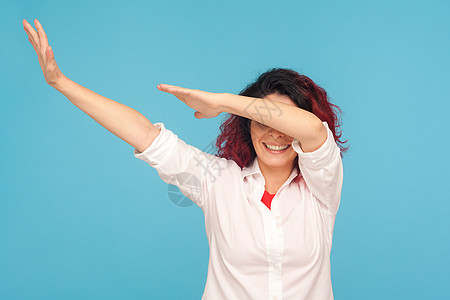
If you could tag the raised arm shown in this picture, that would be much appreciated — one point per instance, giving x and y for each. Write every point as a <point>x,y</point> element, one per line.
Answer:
<point>121,120</point>
<point>302,125</point>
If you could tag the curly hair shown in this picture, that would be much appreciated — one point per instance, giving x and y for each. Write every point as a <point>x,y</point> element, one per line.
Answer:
<point>234,141</point>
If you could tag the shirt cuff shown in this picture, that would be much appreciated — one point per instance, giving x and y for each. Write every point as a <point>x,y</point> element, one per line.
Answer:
<point>320,157</point>
<point>155,154</point>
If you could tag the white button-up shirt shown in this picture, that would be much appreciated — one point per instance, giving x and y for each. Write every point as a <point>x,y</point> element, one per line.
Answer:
<point>257,252</point>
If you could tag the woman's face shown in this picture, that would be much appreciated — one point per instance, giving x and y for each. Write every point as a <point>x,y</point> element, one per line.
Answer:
<point>263,135</point>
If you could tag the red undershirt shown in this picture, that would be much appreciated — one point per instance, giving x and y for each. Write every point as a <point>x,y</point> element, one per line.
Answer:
<point>267,198</point>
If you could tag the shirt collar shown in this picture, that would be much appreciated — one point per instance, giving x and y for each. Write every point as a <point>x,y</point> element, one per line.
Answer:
<point>253,168</point>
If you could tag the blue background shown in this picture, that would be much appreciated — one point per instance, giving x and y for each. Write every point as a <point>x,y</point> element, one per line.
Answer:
<point>81,218</point>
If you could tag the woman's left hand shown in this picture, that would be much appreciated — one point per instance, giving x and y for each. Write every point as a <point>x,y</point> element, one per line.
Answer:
<point>206,104</point>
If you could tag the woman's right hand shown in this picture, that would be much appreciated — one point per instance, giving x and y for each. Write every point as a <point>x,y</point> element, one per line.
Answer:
<point>44,52</point>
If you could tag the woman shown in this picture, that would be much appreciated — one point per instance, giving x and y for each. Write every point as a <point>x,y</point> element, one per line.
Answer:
<point>270,196</point>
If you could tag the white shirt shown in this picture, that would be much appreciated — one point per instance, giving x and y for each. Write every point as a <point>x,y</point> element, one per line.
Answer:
<point>257,252</point>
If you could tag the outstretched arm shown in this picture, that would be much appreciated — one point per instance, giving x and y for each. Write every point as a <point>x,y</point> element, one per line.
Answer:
<point>298,123</point>
<point>121,120</point>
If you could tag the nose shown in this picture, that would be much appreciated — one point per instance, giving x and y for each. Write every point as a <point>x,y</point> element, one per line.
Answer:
<point>275,133</point>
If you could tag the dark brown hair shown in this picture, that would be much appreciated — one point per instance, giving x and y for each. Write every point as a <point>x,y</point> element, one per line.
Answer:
<point>234,141</point>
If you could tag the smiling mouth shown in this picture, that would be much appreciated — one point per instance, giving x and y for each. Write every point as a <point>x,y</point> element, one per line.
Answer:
<point>276,148</point>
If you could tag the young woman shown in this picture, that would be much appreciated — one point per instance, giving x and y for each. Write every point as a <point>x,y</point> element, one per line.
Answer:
<point>271,195</point>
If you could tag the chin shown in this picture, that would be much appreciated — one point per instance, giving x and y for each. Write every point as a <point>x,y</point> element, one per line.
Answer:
<point>274,161</point>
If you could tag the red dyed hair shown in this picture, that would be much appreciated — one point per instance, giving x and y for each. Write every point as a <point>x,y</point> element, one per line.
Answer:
<point>234,141</point>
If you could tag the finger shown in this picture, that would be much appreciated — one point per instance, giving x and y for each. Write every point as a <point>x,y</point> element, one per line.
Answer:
<point>199,115</point>
<point>163,85</point>
<point>43,42</point>
<point>181,98</point>
<point>49,53</point>
<point>179,92</point>
<point>163,89</point>
<point>168,87</point>
<point>30,31</point>
<point>32,43</point>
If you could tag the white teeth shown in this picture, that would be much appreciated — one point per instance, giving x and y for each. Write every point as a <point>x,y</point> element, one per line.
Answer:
<point>276,148</point>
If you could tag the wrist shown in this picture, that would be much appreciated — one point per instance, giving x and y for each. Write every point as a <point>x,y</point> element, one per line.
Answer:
<point>59,82</point>
<point>228,103</point>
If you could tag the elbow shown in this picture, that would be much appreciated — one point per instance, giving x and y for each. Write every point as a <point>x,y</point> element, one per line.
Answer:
<point>318,138</point>
<point>150,138</point>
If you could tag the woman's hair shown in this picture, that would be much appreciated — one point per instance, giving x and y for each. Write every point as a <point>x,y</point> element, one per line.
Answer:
<point>234,142</point>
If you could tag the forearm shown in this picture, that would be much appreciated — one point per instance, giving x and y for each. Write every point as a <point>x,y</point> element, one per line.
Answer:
<point>293,121</point>
<point>121,120</point>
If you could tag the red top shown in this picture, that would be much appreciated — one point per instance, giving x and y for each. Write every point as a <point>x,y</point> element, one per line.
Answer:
<point>267,198</point>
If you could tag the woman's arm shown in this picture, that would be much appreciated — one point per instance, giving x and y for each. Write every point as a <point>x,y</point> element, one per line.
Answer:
<point>298,123</point>
<point>119,119</point>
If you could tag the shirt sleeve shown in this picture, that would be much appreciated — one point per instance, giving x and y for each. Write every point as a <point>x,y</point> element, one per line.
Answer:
<point>323,171</point>
<point>182,165</point>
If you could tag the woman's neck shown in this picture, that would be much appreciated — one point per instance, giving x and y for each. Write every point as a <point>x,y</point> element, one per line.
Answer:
<point>274,176</point>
